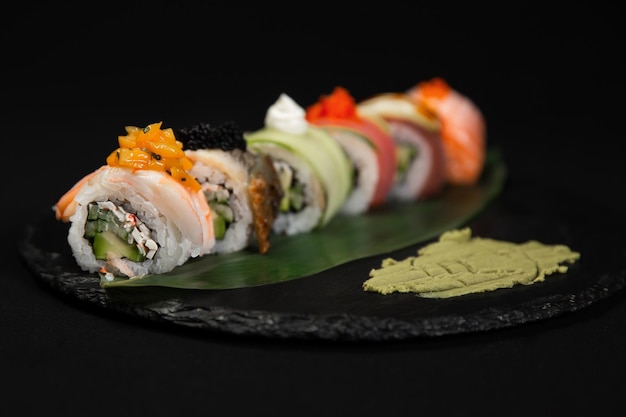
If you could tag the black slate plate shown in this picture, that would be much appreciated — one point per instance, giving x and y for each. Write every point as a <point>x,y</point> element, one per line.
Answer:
<point>332,305</point>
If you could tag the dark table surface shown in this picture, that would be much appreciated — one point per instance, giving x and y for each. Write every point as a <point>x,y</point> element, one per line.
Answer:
<point>550,83</point>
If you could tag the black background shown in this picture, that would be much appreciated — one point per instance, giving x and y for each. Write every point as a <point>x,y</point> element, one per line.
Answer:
<point>548,80</point>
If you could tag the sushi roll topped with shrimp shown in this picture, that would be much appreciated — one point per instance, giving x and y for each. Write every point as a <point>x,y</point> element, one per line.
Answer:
<point>141,213</point>
<point>463,128</point>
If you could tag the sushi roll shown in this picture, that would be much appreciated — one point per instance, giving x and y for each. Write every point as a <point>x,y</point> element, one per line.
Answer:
<point>463,128</point>
<point>139,214</point>
<point>242,188</point>
<point>366,141</point>
<point>315,174</point>
<point>421,159</point>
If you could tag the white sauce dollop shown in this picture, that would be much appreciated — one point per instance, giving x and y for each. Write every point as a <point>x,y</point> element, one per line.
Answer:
<point>287,116</point>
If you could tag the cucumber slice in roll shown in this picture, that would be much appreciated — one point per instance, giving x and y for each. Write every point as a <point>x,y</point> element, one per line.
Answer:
<point>108,243</point>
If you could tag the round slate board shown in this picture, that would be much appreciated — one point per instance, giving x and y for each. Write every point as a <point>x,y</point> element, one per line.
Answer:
<point>332,305</point>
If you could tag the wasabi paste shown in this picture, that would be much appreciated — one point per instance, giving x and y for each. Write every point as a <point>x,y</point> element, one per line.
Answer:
<point>459,264</point>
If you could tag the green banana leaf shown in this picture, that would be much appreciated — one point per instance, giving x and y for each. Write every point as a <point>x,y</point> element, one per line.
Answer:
<point>344,239</point>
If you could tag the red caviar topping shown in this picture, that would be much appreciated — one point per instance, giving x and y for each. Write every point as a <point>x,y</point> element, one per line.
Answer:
<point>436,87</point>
<point>337,105</point>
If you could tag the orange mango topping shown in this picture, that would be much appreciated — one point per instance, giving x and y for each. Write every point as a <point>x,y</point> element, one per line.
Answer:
<point>156,149</point>
<point>337,105</point>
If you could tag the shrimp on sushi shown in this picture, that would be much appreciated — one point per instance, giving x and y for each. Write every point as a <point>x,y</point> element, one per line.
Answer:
<point>463,128</point>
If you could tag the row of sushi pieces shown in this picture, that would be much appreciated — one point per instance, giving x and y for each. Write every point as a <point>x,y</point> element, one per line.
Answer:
<point>167,195</point>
